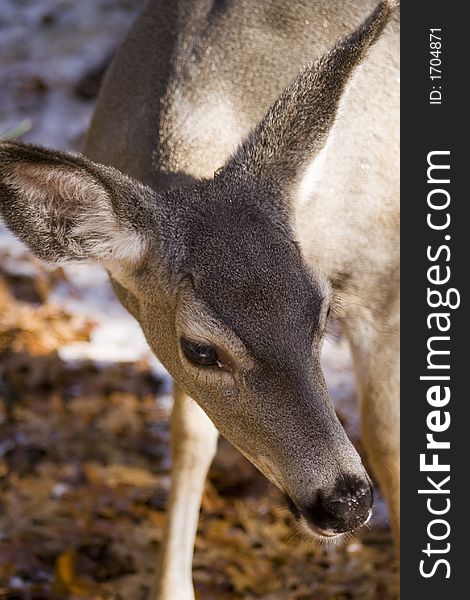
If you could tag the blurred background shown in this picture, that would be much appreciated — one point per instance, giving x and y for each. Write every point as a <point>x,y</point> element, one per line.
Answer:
<point>84,406</point>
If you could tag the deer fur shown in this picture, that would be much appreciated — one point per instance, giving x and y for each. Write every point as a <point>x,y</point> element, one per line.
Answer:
<point>239,182</point>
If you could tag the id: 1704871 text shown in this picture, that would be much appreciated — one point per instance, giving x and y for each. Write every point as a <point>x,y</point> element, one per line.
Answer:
<point>435,62</point>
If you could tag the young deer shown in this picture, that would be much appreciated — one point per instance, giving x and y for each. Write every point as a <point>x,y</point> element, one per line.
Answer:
<point>262,194</point>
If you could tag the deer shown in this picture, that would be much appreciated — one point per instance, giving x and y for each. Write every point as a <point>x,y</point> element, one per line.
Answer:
<point>239,183</point>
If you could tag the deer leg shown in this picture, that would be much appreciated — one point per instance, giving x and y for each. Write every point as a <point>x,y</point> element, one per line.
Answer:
<point>381,436</point>
<point>378,374</point>
<point>194,441</point>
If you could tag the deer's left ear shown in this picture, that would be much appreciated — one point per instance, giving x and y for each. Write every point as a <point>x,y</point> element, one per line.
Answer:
<point>296,127</point>
<point>67,208</point>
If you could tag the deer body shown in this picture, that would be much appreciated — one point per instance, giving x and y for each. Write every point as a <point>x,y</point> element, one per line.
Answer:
<point>268,191</point>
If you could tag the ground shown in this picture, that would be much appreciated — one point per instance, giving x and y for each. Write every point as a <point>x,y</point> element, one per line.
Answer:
<point>84,406</point>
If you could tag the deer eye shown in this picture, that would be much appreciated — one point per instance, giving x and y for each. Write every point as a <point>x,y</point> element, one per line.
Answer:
<point>200,354</point>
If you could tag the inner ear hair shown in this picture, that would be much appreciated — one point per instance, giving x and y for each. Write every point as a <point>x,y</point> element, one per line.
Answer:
<point>65,207</point>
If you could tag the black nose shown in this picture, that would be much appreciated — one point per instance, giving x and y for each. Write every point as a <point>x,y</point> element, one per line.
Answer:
<point>345,508</point>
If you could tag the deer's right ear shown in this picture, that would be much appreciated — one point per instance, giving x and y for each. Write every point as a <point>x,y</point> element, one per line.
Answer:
<point>67,208</point>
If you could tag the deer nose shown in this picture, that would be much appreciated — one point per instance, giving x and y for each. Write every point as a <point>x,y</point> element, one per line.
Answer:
<point>346,507</point>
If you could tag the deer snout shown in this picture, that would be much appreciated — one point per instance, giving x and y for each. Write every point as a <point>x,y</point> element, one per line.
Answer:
<point>344,508</point>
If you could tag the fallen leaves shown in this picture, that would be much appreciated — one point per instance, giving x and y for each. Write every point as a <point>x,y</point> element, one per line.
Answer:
<point>38,330</point>
<point>66,580</point>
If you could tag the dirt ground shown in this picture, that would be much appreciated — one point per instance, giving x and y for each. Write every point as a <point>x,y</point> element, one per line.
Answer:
<point>84,406</point>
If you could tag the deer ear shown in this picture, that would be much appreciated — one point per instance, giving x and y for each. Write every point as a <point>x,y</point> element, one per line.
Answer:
<point>65,207</point>
<point>279,150</point>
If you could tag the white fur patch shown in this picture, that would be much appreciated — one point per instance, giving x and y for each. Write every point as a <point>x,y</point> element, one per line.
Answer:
<point>313,175</point>
<point>200,133</point>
